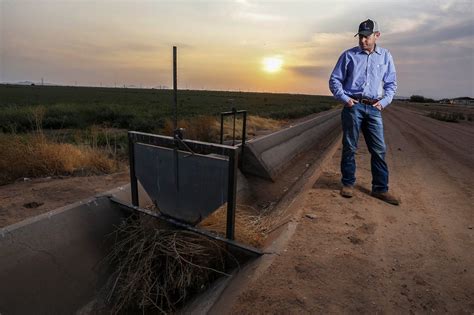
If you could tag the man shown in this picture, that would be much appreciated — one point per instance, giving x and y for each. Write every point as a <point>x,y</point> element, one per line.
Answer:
<point>364,79</point>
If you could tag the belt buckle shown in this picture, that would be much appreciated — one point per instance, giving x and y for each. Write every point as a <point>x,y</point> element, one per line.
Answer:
<point>365,101</point>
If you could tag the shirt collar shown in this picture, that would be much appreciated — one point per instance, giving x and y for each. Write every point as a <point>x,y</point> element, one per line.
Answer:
<point>376,49</point>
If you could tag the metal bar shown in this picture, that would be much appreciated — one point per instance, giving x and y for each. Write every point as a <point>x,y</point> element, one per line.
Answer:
<point>169,142</point>
<point>175,87</point>
<point>222,129</point>
<point>244,137</point>
<point>231,112</point>
<point>233,130</point>
<point>244,131</point>
<point>133,176</point>
<point>176,167</point>
<point>179,224</point>
<point>231,196</point>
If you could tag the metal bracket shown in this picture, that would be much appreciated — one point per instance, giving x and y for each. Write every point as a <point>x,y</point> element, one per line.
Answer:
<point>234,112</point>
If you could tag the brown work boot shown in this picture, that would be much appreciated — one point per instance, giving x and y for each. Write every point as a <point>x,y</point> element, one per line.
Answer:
<point>387,197</point>
<point>347,191</point>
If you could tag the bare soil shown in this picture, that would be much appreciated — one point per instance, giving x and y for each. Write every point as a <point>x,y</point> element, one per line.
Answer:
<point>361,255</point>
<point>25,199</point>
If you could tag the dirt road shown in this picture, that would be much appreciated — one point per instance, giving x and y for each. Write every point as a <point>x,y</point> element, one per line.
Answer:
<point>365,256</point>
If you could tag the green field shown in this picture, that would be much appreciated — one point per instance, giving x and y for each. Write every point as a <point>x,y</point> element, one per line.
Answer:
<point>138,109</point>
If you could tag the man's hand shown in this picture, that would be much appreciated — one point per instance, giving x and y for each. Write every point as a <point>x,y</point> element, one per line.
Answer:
<point>378,106</point>
<point>351,102</point>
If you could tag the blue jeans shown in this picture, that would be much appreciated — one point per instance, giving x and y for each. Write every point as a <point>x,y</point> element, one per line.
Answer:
<point>368,119</point>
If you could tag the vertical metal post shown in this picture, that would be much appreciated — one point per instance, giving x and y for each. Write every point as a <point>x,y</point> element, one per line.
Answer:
<point>222,128</point>
<point>175,86</point>
<point>175,89</point>
<point>231,195</point>
<point>233,131</point>
<point>244,137</point>
<point>133,176</point>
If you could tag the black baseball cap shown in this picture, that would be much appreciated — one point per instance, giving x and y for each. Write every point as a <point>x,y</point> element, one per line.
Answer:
<point>367,27</point>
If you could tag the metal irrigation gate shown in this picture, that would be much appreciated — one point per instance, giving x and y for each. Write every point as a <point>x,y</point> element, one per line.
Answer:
<point>187,180</point>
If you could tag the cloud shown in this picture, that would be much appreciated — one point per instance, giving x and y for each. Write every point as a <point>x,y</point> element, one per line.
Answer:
<point>311,71</point>
<point>260,17</point>
<point>324,48</point>
<point>243,2</point>
<point>256,12</point>
<point>447,5</point>
<point>407,24</point>
<point>428,33</point>
<point>432,41</point>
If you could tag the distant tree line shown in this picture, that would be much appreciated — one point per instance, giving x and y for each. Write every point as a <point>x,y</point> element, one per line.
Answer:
<point>421,99</point>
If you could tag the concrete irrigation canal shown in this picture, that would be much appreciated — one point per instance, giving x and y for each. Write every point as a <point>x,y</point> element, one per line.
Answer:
<point>53,263</point>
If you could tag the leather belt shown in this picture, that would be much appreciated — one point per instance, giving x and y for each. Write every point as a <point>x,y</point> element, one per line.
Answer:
<point>363,100</point>
<point>367,101</point>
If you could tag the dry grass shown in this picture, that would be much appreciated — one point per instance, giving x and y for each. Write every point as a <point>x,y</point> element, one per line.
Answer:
<point>202,128</point>
<point>34,156</point>
<point>157,268</point>
<point>255,125</point>
<point>207,128</point>
<point>250,227</point>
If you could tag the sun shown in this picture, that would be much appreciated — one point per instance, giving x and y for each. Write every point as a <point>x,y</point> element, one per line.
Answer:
<point>272,64</point>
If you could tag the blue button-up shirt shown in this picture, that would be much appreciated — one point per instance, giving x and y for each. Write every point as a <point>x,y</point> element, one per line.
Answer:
<point>360,74</point>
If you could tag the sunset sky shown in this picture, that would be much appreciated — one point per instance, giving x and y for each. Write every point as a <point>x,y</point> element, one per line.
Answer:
<point>271,46</point>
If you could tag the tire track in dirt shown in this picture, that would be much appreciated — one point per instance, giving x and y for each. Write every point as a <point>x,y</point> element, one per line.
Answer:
<point>362,255</point>
<point>433,234</point>
<point>434,133</point>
